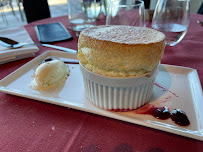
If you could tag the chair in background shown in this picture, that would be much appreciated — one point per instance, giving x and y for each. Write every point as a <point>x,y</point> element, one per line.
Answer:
<point>36,10</point>
<point>200,11</point>
<point>4,3</point>
<point>19,7</point>
<point>147,4</point>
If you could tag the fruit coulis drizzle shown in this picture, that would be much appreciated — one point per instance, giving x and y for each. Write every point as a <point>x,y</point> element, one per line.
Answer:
<point>164,89</point>
<point>163,113</point>
<point>158,112</point>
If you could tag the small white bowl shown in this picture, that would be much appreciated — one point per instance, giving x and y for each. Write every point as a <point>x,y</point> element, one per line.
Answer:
<point>118,94</point>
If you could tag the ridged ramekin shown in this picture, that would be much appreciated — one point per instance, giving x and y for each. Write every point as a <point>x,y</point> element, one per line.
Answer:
<point>118,94</point>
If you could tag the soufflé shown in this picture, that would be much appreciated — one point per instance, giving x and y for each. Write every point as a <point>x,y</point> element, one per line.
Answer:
<point>119,64</point>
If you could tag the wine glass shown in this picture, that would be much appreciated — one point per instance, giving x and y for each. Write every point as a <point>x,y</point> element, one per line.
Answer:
<point>172,17</point>
<point>126,12</point>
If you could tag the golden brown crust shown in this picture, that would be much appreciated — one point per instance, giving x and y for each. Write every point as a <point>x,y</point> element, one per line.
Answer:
<point>119,56</point>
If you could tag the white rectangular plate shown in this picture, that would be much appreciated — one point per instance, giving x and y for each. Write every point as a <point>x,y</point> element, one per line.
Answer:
<point>177,88</point>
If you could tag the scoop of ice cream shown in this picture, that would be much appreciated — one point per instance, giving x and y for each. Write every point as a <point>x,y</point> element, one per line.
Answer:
<point>50,73</point>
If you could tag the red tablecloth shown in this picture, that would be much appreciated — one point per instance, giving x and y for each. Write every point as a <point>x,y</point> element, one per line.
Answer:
<point>29,125</point>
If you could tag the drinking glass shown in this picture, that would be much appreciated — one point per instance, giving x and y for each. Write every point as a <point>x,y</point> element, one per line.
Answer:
<point>126,12</point>
<point>82,13</point>
<point>172,17</point>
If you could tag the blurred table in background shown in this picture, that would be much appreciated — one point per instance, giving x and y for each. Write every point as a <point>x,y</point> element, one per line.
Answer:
<point>29,125</point>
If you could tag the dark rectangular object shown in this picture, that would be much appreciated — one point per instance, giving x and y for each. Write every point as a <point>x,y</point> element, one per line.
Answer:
<point>53,32</point>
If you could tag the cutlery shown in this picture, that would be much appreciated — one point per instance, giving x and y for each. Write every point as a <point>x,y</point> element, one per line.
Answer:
<point>14,45</point>
<point>201,23</point>
<point>65,60</point>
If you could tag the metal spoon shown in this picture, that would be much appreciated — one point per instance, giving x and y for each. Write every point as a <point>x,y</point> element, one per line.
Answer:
<point>201,23</point>
<point>14,45</point>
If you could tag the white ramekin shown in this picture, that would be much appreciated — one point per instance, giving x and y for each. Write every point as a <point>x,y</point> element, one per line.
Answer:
<point>112,93</point>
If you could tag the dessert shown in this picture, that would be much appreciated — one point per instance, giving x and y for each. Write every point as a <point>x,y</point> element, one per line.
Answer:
<point>119,64</point>
<point>50,72</point>
<point>120,51</point>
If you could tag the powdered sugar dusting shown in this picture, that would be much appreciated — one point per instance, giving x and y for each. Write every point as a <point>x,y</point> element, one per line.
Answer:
<point>125,34</point>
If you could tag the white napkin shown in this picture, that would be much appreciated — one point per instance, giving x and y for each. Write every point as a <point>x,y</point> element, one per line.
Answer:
<point>20,35</point>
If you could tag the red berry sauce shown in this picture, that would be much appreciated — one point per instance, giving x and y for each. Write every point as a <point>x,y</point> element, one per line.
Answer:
<point>158,112</point>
